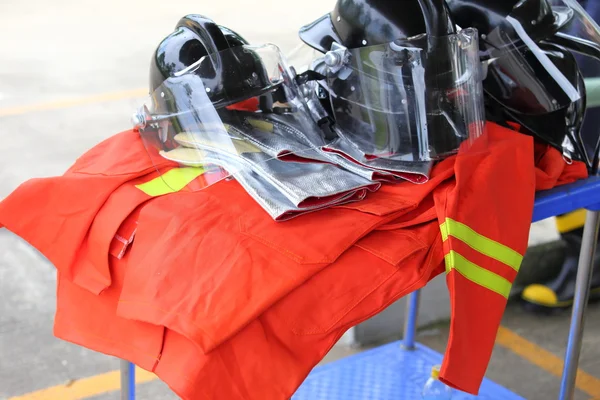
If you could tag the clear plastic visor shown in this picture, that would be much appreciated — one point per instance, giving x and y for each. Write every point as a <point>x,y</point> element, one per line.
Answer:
<point>410,100</point>
<point>576,29</point>
<point>522,76</point>
<point>235,111</point>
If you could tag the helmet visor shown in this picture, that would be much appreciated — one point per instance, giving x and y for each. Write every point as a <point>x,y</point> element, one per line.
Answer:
<point>575,29</point>
<point>520,75</point>
<point>231,112</point>
<point>410,100</point>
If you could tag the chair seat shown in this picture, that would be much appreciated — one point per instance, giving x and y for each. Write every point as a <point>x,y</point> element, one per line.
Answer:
<point>567,198</point>
<point>384,373</point>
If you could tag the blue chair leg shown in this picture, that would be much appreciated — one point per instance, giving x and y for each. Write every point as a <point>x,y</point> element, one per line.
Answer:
<point>127,380</point>
<point>582,291</point>
<point>410,324</point>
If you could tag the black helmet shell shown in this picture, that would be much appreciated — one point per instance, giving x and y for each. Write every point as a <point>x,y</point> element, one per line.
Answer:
<point>545,126</point>
<point>360,23</point>
<point>194,37</point>
<point>536,16</point>
<point>229,71</point>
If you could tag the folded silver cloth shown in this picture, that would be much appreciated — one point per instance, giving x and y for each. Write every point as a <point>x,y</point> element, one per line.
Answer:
<point>304,184</point>
<point>281,137</point>
<point>360,170</point>
<point>267,192</point>
<point>277,205</point>
<point>412,171</point>
<point>285,137</point>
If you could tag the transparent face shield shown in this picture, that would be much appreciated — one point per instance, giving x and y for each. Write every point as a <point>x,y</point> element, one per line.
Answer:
<point>521,75</point>
<point>409,100</point>
<point>229,113</point>
<point>575,29</point>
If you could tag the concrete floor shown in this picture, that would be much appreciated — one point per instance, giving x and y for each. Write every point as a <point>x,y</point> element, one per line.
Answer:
<point>71,74</point>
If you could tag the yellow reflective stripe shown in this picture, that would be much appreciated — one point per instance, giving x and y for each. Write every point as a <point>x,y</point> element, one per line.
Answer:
<point>571,221</point>
<point>482,244</point>
<point>171,181</point>
<point>444,229</point>
<point>477,274</point>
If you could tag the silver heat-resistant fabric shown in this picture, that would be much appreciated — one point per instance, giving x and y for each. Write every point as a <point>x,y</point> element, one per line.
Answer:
<point>286,138</point>
<point>277,205</point>
<point>305,144</point>
<point>272,200</point>
<point>307,182</point>
<point>303,184</point>
<point>413,171</point>
<point>367,173</point>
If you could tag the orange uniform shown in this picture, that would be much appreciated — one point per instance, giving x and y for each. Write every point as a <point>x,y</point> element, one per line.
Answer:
<point>55,214</point>
<point>224,303</point>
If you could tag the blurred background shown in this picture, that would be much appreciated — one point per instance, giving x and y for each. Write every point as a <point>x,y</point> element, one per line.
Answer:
<point>71,74</point>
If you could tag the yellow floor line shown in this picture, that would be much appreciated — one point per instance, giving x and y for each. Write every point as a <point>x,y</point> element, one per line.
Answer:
<point>545,360</point>
<point>87,387</point>
<point>54,105</point>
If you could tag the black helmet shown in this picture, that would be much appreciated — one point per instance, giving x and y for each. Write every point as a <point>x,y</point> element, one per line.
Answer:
<point>359,23</point>
<point>533,79</point>
<point>509,102</point>
<point>541,19</point>
<point>229,70</point>
<point>485,15</point>
<point>194,37</point>
<point>393,76</point>
<point>202,79</point>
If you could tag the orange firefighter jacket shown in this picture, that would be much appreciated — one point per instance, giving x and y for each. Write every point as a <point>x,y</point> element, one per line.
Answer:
<point>229,304</point>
